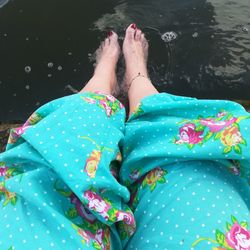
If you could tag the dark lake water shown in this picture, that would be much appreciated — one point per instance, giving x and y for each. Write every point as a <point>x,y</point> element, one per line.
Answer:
<point>46,47</point>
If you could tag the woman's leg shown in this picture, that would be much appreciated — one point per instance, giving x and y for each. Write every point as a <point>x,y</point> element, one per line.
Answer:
<point>135,49</point>
<point>104,78</point>
<point>187,164</point>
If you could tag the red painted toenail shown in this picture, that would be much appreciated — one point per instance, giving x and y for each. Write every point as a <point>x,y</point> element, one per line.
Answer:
<point>133,26</point>
<point>110,33</point>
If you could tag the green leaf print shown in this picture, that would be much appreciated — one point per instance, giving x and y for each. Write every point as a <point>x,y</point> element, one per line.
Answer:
<point>6,202</point>
<point>217,136</point>
<point>13,200</point>
<point>2,164</point>
<point>208,136</point>
<point>220,237</point>
<point>97,246</point>
<point>237,149</point>
<point>227,150</point>
<point>243,142</point>
<point>244,224</point>
<point>112,214</point>
<point>228,117</point>
<point>152,187</point>
<point>144,183</point>
<point>190,146</point>
<point>237,125</point>
<point>11,248</point>
<point>228,226</point>
<point>234,220</point>
<point>71,213</point>
<point>162,180</point>
<point>199,128</point>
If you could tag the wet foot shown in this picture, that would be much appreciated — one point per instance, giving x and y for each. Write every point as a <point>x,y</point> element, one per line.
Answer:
<point>107,56</point>
<point>135,50</point>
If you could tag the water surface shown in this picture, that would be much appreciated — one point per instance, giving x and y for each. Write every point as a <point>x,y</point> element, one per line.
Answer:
<point>46,47</point>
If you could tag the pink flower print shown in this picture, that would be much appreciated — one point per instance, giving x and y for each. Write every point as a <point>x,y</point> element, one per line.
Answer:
<point>216,126</point>
<point>121,105</point>
<point>238,238</point>
<point>234,170</point>
<point>188,134</point>
<point>3,170</point>
<point>99,238</point>
<point>89,100</point>
<point>81,210</point>
<point>110,98</point>
<point>84,235</point>
<point>19,131</point>
<point>96,203</point>
<point>135,174</point>
<point>106,107</point>
<point>128,218</point>
<point>221,114</point>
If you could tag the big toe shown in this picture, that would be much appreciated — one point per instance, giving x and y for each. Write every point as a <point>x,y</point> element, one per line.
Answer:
<point>130,32</point>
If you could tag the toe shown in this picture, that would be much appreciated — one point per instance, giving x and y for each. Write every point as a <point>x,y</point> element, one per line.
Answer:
<point>106,42</point>
<point>130,32</point>
<point>144,40</point>
<point>113,37</point>
<point>138,35</point>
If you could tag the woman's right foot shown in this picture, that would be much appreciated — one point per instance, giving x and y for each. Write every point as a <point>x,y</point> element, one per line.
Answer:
<point>135,50</point>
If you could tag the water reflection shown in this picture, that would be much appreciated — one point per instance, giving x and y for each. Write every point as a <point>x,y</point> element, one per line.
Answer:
<point>198,48</point>
<point>3,2</point>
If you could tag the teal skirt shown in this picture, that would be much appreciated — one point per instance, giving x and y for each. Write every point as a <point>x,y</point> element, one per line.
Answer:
<point>174,176</point>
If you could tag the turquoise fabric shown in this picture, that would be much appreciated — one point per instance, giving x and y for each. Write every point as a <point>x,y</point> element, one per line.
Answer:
<point>187,165</point>
<point>184,177</point>
<point>58,177</point>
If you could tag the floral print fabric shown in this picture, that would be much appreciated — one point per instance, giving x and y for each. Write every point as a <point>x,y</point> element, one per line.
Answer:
<point>186,163</point>
<point>58,186</point>
<point>183,182</point>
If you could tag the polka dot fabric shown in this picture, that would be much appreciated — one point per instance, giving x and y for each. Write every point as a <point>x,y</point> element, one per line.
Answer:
<point>58,186</point>
<point>184,177</point>
<point>187,164</point>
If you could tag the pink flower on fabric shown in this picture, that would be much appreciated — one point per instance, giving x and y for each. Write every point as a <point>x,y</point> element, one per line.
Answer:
<point>19,131</point>
<point>189,135</point>
<point>216,126</point>
<point>106,107</point>
<point>110,98</point>
<point>84,235</point>
<point>3,170</point>
<point>96,203</point>
<point>99,238</point>
<point>121,105</point>
<point>128,218</point>
<point>238,238</point>
<point>221,114</point>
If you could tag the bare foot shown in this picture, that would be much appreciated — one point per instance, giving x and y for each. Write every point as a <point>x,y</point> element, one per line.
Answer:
<point>135,50</point>
<point>107,55</point>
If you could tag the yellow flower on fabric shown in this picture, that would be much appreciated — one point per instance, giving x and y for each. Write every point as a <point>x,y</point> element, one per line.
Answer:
<point>231,136</point>
<point>92,163</point>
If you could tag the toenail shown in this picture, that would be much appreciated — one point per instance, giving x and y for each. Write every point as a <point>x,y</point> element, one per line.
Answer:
<point>110,33</point>
<point>133,26</point>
